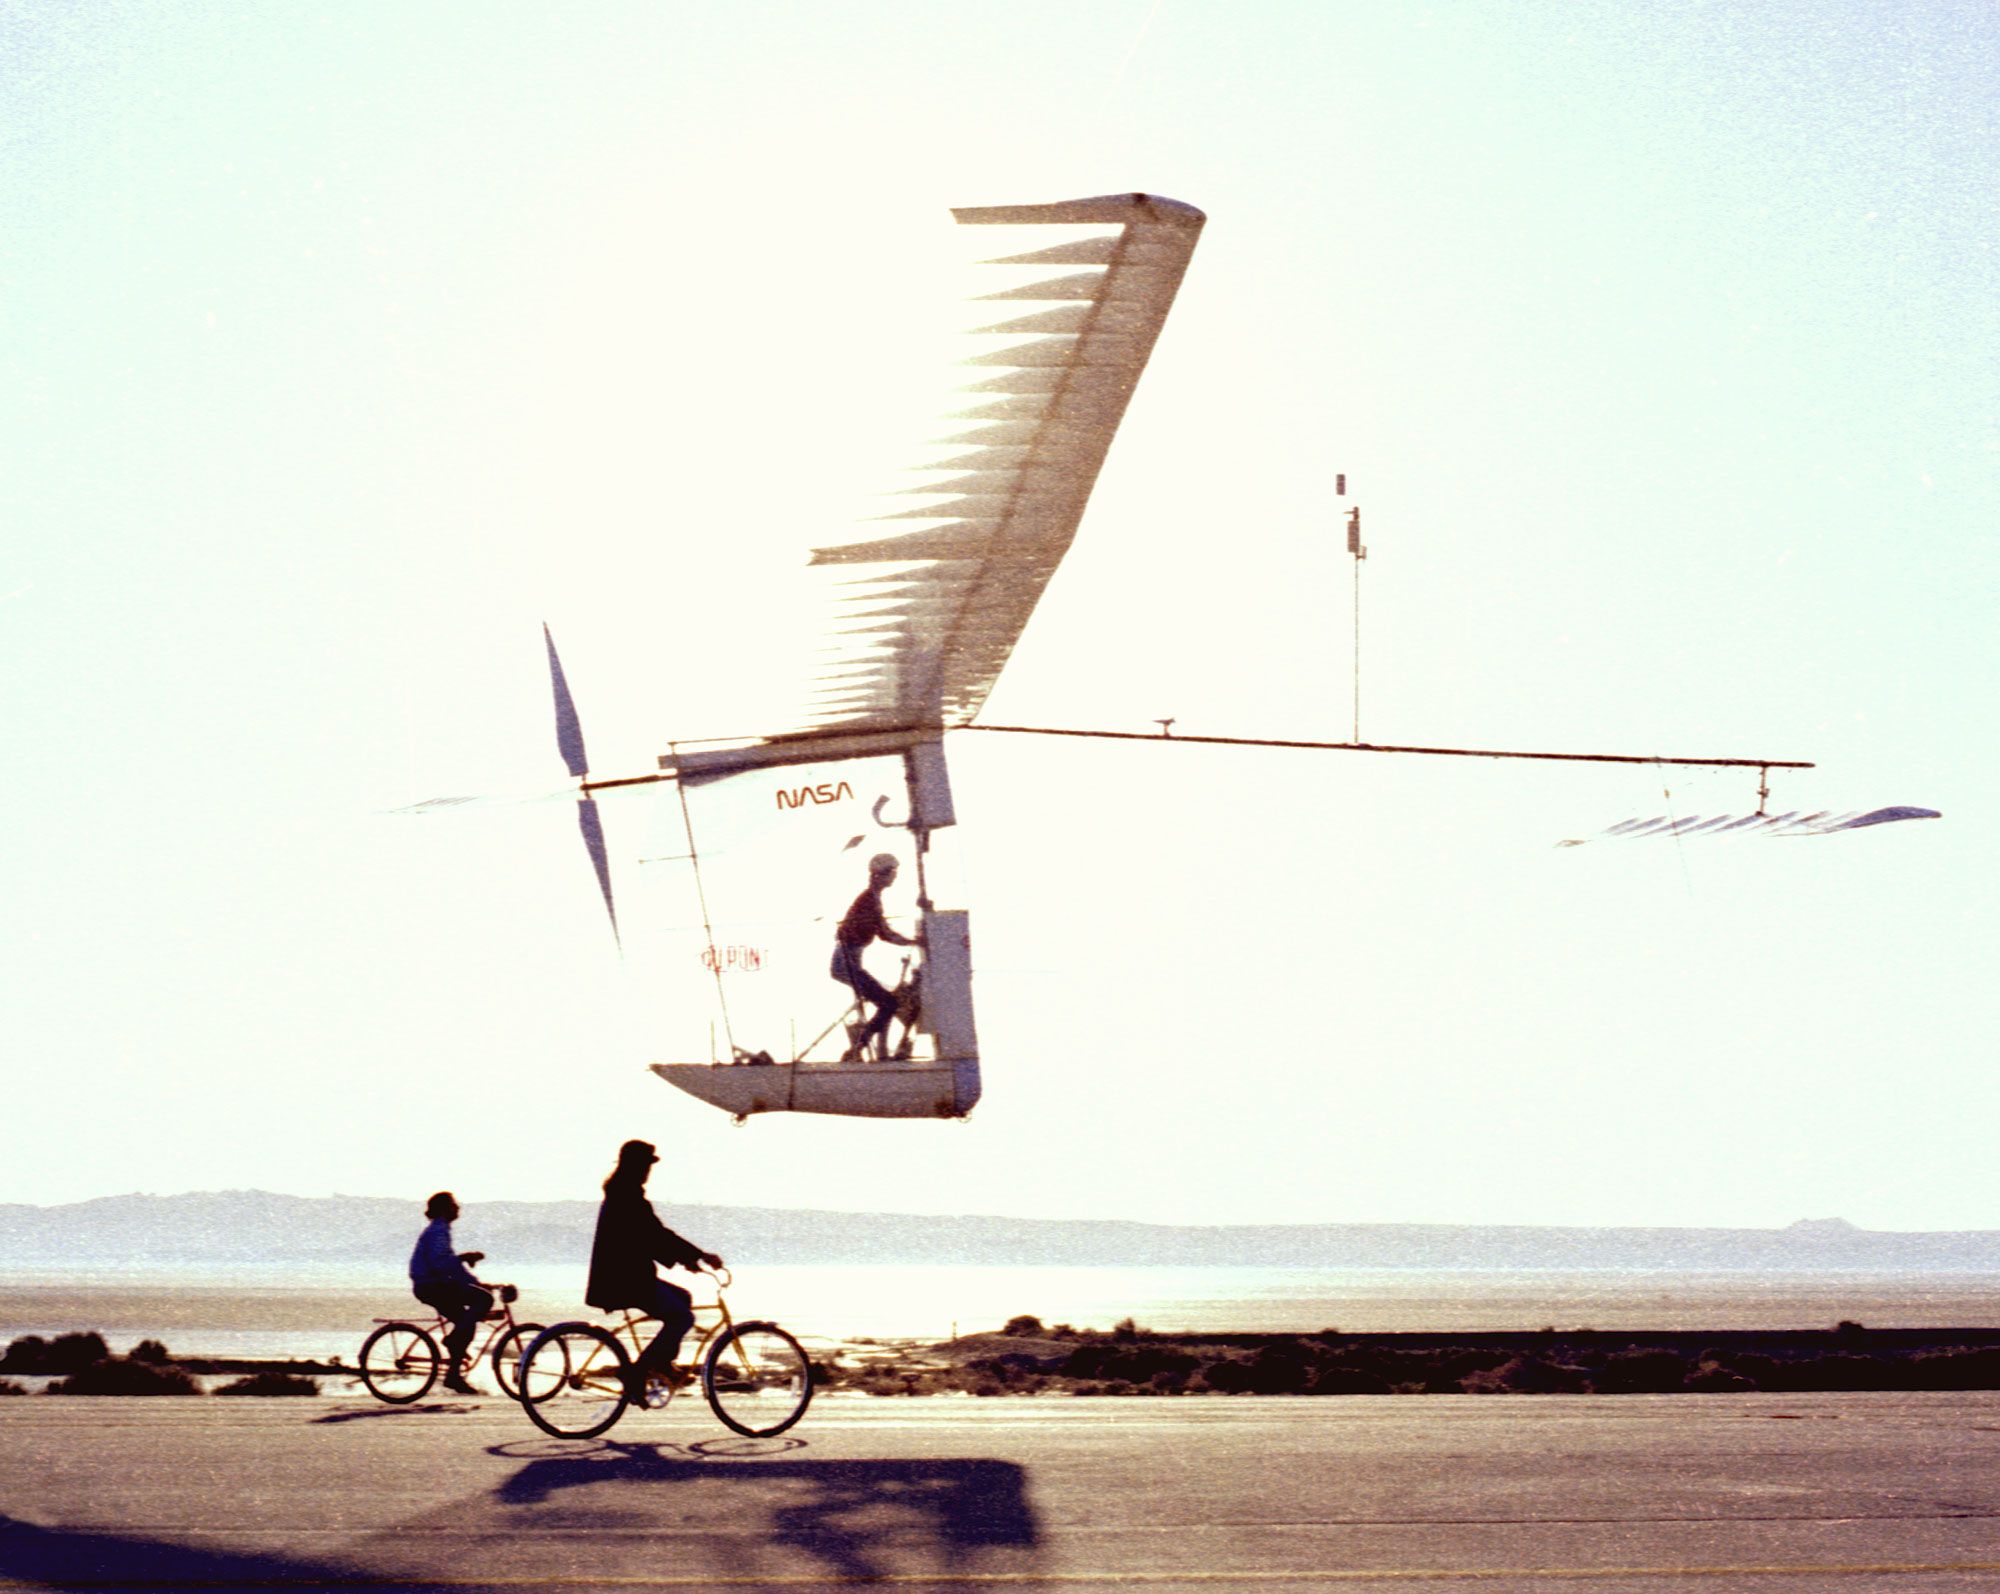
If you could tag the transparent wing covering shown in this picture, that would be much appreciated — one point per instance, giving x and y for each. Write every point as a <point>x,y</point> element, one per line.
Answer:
<point>931,604</point>
<point>1788,822</point>
<point>879,575</point>
<point>742,945</point>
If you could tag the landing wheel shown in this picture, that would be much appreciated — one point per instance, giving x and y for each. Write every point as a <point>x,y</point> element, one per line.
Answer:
<point>757,1379</point>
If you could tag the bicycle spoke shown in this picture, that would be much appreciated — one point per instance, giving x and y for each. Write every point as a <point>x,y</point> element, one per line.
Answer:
<point>572,1381</point>
<point>757,1379</point>
<point>506,1356</point>
<point>399,1363</point>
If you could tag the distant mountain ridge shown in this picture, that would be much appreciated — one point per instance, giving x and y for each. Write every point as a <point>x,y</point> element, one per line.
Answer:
<point>253,1226</point>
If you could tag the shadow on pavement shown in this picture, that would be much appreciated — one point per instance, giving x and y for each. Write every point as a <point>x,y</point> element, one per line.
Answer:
<point>370,1413</point>
<point>856,1519</point>
<point>626,1513</point>
<point>59,1558</point>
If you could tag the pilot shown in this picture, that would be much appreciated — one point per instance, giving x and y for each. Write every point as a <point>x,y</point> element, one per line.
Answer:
<point>864,922</point>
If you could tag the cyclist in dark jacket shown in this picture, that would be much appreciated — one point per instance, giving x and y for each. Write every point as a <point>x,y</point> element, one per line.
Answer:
<point>630,1238</point>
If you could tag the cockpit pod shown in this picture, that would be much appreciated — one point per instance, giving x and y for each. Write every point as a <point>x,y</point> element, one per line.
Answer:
<point>788,805</point>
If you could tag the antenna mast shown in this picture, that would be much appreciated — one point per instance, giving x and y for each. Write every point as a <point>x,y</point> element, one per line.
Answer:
<point>1360,553</point>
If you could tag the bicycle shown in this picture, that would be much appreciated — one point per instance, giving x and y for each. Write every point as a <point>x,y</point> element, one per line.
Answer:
<point>401,1359</point>
<point>853,1021</point>
<point>575,1383</point>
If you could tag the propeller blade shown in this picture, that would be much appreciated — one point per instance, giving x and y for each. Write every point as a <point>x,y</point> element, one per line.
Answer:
<point>569,729</point>
<point>592,826</point>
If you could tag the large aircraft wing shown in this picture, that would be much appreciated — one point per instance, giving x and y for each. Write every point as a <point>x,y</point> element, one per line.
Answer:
<point>927,602</point>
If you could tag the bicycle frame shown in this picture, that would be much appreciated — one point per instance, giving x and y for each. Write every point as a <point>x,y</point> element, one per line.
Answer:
<point>631,1322</point>
<point>437,1325</point>
<point>854,1017</point>
<point>735,1362</point>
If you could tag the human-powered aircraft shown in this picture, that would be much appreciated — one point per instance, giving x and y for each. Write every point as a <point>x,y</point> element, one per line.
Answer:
<point>915,617</point>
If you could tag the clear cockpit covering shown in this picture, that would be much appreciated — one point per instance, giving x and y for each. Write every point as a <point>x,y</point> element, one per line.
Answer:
<point>734,939</point>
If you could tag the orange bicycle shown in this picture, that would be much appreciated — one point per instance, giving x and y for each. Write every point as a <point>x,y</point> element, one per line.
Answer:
<point>576,1377</point>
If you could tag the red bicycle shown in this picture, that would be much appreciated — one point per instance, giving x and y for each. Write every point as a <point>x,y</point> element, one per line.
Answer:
<point>402,1359</point>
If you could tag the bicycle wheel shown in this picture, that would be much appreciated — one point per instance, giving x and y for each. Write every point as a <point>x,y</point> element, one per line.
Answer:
<point>573,1381</point>
<point>399,1363</point>
<point>757,1379</point>
<point>506,1357</point>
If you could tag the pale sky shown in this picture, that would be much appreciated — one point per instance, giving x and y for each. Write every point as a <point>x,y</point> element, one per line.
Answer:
<point>343,345</point>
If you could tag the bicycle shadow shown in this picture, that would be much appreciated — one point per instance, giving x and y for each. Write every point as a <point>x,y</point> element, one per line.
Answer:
<point>439,1408</point>
<point>857,1520</point>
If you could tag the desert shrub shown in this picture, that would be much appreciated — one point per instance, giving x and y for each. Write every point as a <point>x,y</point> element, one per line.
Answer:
<point>1642,1372</point>
<point>74,1352</point>
<point>1527,1375</point>
<point>1139,1363</point>
<point>1712,1377</point>
<point>269,1383</point>
<point>878,1381</point>
<point>1125,1329</point>
<point>151,1350</point>
<point>1840,1373</point>
<point>1272,1370</point>
<point>1001,1370</point>
<point>1219,1377</point>
<point>116,1376</point>
<point>1434,1372</point>
<point>1022,1362</point>
<point>1024,1327</point>
<point>1956,1369</point>
<point>1339,1378</point>
<point>24,1354</point>
<point>9,1387</point>
<point>66,1353</point>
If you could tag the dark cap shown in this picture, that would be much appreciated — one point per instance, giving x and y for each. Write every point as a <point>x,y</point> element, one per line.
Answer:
<point>634,1152</point>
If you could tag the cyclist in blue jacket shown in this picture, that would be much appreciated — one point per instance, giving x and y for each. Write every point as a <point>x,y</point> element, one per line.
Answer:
<point>440,1278</point>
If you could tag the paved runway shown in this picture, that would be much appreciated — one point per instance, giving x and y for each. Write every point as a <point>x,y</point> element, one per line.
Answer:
<point>1610,1494</point>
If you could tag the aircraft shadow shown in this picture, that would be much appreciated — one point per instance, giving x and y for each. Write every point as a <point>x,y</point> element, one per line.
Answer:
<point>59,1558</point>
<point>618,1512</point>
<point>854,1519</point>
